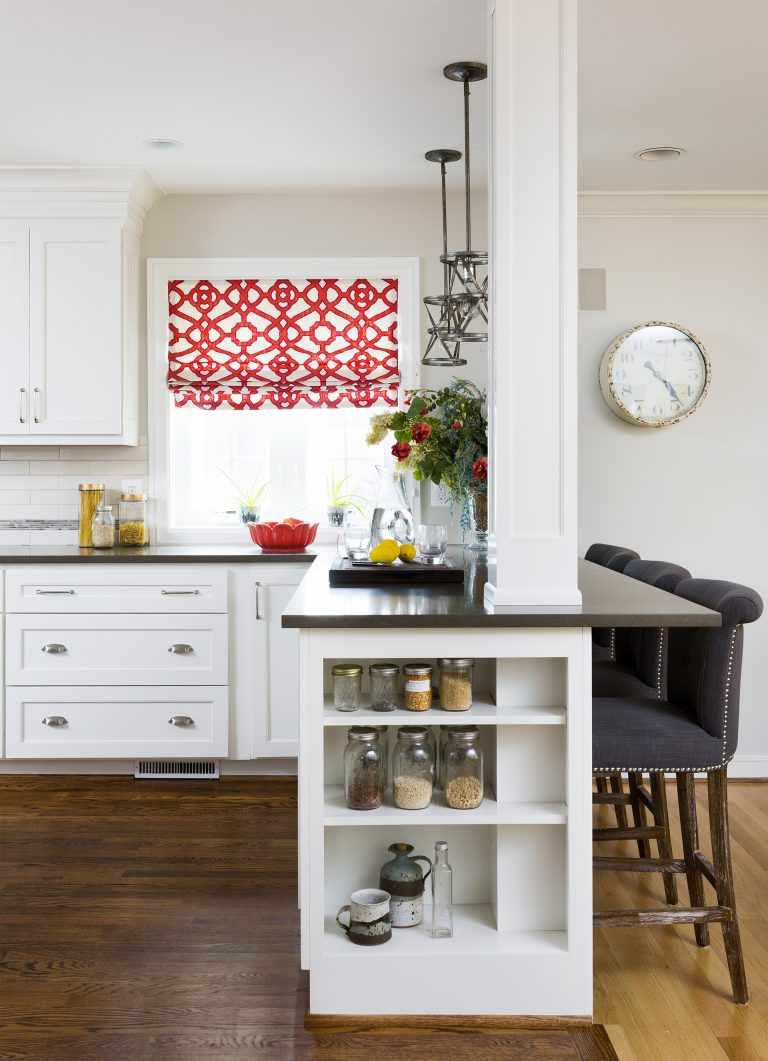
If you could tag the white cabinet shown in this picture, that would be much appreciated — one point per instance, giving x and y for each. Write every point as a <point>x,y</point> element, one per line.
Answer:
<point>276,722</point>
<point>14,329</point>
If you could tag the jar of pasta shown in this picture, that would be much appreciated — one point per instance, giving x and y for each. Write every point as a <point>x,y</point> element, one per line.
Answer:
<point>91,496</point>
<point>417,686</point>
<point>133,519</point>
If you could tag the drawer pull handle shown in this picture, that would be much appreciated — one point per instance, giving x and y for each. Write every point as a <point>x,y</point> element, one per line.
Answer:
<point>181,720</point>
<point>55,650</point>
<point>55,720</point>
<point>54,592</point>
<point>179,592</point>
<point>181,650</point>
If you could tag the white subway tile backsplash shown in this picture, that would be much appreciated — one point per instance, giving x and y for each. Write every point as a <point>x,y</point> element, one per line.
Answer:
<point>102,468</point>
<point>29,453</point>
<point>59,468</point>
<point>52,536</point>
<point>29,512</point>
<point>69,512</point>
<point>14,537</point>
<point>15,467</point>
<point>15,497</point>
<point>89,453</point>
<point>51,497</point>
<point>133,453</point>
<point>28,482</point>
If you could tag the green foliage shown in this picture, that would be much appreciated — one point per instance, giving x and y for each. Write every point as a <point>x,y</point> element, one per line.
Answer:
<point>338,498</point>
<point>247,495</point>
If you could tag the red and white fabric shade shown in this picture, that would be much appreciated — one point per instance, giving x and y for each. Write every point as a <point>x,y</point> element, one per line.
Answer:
<point>248,344</point>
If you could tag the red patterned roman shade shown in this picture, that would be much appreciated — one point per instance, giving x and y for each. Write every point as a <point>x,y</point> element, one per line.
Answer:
<point>244,344</point>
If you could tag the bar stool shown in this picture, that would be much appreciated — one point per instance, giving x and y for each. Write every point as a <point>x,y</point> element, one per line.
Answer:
<point>615,558</point>
<point>693,730</point>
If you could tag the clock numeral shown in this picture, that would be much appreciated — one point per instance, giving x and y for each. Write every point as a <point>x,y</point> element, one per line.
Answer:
<point>627,357</point>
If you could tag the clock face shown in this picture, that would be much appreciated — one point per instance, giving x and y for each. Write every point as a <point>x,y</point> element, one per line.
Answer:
<point>655,375</point>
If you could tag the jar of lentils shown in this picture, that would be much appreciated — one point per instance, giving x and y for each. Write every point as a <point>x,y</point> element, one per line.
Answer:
<point>456,683</point>
<point>417,686</point>
<point>412,766</point>
<point>463,770</point>
<point>347,685</point>
<point>363,769</point>
<point>383,678</point>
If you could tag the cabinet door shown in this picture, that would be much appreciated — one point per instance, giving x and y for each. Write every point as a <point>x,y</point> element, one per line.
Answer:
<point>14,329</point>
<point>75,329</point>
<point>276,730</point>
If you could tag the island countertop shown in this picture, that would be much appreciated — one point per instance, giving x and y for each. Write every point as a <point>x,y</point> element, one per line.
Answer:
<point>149,554</point>
<point>608,599</point>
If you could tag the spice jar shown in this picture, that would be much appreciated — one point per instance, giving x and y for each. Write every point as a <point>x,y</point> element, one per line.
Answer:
<point>456,684</point>
<point>363,786</point>
<point>347,683</point>
<point>91,496</point>
<point>412,766</point>
<point>383,678</point>
<point>463,771</point>
<point>417,689</point>
<point>103,528</point>
<point>384,745</point>
<point>133,519</point>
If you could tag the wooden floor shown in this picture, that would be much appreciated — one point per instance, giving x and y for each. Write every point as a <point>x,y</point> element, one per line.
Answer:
<point>156,921</point>
<point>660,997</point>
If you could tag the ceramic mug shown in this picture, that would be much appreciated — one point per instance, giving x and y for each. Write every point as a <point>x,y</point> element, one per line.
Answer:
<point>369,917</point>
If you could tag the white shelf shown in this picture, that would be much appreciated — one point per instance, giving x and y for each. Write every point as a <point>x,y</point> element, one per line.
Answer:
<point>474,932</point>
<point>483,711</point>
<point>336,812</point>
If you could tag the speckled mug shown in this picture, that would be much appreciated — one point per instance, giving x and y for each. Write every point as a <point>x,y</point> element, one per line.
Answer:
<point>369,918</point>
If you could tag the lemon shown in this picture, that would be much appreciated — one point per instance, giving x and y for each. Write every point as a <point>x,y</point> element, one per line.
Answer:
<point>407,553</point>
<point>376,555</point>
<point>390,550</point>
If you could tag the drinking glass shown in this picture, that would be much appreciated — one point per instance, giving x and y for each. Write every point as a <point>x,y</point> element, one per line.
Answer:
<point>432,541</point>
<point>357,542</point>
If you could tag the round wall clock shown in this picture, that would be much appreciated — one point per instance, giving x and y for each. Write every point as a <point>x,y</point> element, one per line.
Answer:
<point>655,374</point>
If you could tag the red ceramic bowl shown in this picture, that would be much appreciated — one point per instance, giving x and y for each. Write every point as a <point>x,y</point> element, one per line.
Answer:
<point>282,537</point>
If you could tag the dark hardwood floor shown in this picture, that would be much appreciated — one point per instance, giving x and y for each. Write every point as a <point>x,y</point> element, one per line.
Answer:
<point>157,921</point>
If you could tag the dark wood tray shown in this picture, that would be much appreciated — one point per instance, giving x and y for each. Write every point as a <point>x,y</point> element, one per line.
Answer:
<point>343,572</point>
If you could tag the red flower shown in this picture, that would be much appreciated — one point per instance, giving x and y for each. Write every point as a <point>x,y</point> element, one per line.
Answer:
<point>401,450</point>
<point>456,425</point>
<point>480,468</point>
<point>420,432</point>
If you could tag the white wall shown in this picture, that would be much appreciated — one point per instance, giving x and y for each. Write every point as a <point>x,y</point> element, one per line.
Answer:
<point>694,493</point>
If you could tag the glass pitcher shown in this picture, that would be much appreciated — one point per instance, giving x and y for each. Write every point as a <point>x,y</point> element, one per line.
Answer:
<point>392,516</point>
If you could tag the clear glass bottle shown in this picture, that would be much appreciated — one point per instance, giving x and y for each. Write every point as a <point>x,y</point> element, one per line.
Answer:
<point>91,496</point>
<point>133,519</point>
<point>347,685</point>
<point>456,683</point>
<point>384,681</point>
<point>463,771</point>
<point>417,686</point>
<point>363,781</point>
<point>412,766</point>
<point>442,893</point>
<point>103,528</point>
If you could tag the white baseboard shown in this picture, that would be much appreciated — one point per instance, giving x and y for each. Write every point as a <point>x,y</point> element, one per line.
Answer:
<point>748,766</point>
<point>229,767</point>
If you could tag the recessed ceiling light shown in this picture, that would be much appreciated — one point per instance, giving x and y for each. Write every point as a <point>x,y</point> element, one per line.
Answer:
<point>160,144</point>
<point>660,154</point>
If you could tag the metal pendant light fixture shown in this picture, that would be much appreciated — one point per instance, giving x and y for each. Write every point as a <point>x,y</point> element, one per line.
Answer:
<point>460,314</point>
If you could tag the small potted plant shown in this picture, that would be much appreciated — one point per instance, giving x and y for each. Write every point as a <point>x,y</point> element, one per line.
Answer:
<point>248,498</point>
<point>341,499</point>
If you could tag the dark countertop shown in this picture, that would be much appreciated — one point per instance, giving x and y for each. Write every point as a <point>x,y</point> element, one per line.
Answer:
<point>608,599</point>
<point>149,554</point>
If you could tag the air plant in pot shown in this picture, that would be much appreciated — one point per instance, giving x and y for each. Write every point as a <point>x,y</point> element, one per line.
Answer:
<point>341,499</point>
<point>248,497</point>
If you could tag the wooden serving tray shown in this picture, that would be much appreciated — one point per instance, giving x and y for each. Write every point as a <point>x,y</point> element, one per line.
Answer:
<point>343,572</point>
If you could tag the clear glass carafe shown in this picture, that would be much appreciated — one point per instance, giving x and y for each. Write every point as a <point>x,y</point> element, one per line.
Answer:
<point>363,769</point>
<point>463,772</point>
<point>412,768</point>
<point>392,515</point>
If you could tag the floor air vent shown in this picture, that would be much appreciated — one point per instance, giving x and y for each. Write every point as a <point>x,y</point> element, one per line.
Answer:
<point>173,768</point>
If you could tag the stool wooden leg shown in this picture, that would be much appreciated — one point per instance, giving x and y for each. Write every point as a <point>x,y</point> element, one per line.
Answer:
<point>600,783</point>
<point>686,797</point>
<point>661,817</point>
<point>638,813</point>
<point>721,858</point>
<point>617,787</point>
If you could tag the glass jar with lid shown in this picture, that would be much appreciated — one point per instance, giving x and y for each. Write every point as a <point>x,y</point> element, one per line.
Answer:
<point>384,680</point>
<point>91,496</point>
<point>417,686</point>
<point>463,770</point>
<point>363,777</point>
<point>384,745</point>
<point>347,685</point>
<point>456,683</point>
<point>412,768</point>
<point>103,528</point>
<point>133,519</point>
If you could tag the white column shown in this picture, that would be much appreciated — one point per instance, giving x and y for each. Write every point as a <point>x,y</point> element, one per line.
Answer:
<point>533,272</point>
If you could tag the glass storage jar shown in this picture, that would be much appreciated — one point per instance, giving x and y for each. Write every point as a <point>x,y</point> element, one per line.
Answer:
<point>384,745</point>
<point>442,741</point>
<point>417,686</point>
<point>383,678</point>
<point>412,765</point>
<point>463,771</point>
<point>133,519</point>
<point>363,781</point>
<point>456,683</point>
<point>103,528</point>
<point>91,496</point>
<point>347,683</point>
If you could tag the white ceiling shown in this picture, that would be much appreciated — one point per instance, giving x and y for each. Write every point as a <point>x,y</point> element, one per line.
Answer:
<point>348,94</point>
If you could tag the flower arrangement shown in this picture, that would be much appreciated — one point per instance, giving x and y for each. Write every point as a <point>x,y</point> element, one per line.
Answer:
<point>443,437</point>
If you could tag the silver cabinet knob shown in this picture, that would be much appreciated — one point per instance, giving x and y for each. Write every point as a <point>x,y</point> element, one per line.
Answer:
<point>54,649</point>
<point>55,720</point>
<point>181,720</point>
<point>181,650</point>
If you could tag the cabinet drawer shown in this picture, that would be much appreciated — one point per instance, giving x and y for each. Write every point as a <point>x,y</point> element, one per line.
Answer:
<point>123,588</point>
<point>108,722</point>
<point>116,649</point>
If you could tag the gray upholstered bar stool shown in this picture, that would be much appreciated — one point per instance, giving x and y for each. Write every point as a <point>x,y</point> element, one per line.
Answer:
<point>693,730</point>
<point>615,558</point>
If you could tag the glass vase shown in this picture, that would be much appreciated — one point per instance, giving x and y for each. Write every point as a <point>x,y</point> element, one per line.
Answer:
<point>478,521</point>
<point>392,515</point>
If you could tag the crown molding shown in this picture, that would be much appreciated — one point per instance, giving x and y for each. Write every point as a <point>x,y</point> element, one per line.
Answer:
<point>673,204</point>
<point>97,192</point>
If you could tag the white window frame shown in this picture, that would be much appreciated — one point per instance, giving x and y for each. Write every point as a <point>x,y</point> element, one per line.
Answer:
<point>161,270</point>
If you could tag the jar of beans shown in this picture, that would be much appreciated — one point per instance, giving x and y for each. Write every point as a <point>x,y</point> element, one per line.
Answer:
<point>412,768</point>
<point>417,686</point>
<point>347,684</point>
<point>456,683</point>
<point>383,677</point>
<point>463,769</point>
<point>363,769</point>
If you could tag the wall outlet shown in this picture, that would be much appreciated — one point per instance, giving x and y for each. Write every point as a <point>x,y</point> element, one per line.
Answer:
<point>132,486</point>
<point>437,496</point>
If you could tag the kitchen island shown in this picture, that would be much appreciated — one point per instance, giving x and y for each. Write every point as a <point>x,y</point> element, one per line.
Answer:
<point>522,942</point>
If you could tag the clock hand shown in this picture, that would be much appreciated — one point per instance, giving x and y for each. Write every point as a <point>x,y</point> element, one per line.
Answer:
<point>667,384</point>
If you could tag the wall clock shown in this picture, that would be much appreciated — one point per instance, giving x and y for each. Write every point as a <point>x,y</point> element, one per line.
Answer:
<point>655,374</point>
